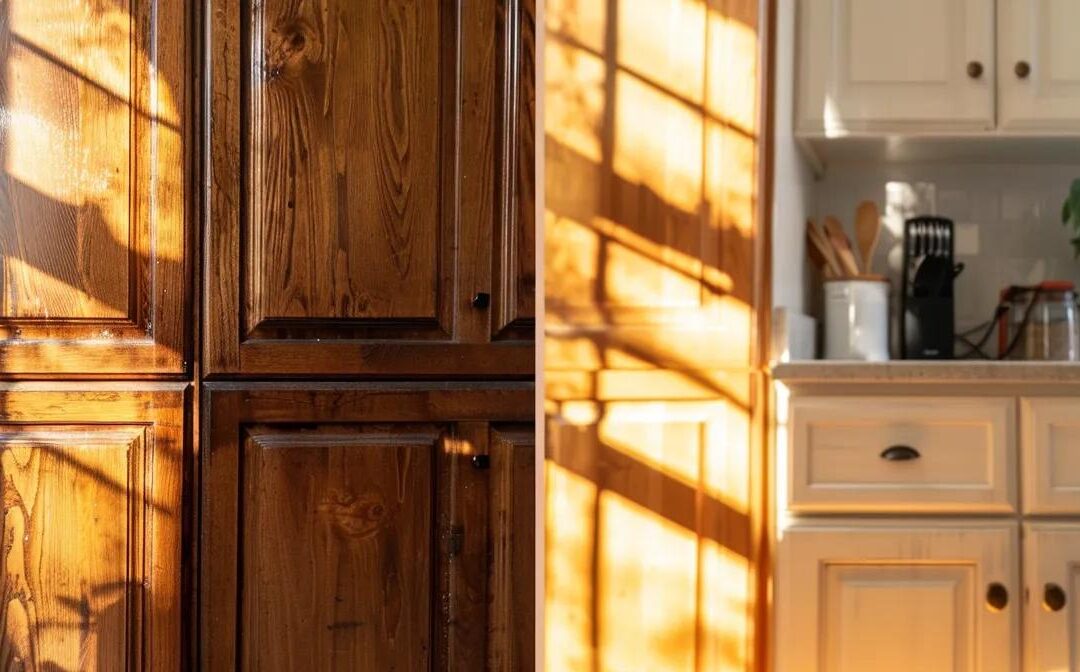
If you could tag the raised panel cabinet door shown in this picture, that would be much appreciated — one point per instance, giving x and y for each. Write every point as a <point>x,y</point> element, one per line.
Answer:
<point>1051,580</point>
<point>371,197</point>
<point>1038,65</point>
<point>92,520</point>
<point>93,236</point>
<point>1050,449</point>
<point>367,527</point>
<point>879,65</point>
<point>898,595</point>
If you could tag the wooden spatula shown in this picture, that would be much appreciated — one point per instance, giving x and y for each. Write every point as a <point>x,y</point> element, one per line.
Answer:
<point>842,246</point>
<point>821,251</point>
<point>867,230</point>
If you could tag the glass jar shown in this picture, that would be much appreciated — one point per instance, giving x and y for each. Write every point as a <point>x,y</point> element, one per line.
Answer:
<point>1043,322</point>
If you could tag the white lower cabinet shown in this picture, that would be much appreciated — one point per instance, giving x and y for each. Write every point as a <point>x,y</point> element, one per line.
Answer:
<point>1051,581</point>
<point>905,595</point>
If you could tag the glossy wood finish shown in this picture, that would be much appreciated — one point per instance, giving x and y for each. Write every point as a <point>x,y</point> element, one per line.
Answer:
<point>406,563</point>
<point>92,523</point>
<point>93,228</point>
<point>368,180</point>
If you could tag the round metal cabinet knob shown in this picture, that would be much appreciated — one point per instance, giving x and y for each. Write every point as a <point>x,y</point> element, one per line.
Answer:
<point>1054,597</point>
<point>1022,69</point>
<point>974,69</point>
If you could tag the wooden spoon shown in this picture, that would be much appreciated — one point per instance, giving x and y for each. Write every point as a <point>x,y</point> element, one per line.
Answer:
<point>867,230</point>
<point>821,251</point>
<point>842,246</point>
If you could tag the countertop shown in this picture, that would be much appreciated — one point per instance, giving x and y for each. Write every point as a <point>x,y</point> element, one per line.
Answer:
<point>928,371</point>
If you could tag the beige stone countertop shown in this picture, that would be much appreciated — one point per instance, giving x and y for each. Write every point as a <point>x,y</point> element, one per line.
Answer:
<point>956,371</point>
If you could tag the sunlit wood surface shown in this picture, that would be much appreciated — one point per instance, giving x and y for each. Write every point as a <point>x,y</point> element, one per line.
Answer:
<point>92,224</point>
<point>652,145</point>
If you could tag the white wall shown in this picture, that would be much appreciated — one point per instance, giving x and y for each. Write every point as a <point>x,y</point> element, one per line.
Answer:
<point>793,189</point>
<point>1008,221</point>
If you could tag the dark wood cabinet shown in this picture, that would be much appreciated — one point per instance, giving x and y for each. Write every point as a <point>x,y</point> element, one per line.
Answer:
<point>267,285</point>
<point>367,526</point>
<point>370,175</point>
<point>92,521</point>
<point>93,235</point>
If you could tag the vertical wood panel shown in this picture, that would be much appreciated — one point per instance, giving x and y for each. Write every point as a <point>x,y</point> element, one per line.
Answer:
<point>359,594</point>
<point>96,107</point>
<point>345,160</point>
<point>93,242</point>
<point>515,235</point>
<point>91,515</point>
<point>511,645</point>
<point>359,190</point>
<point>347,525</point>
<point>69,591</point>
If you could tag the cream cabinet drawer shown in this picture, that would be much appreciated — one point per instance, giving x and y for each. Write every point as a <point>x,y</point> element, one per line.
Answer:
<point>912,454</point>
<point>1050,443</point>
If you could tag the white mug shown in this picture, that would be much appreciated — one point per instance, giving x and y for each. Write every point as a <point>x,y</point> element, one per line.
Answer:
<point>857,319</point>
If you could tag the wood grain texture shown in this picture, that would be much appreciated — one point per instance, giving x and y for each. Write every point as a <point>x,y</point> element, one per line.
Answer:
<point>512,577</point>
<point>376,483</point>
<point>463,550</point>
<point>346,161</point>
<point>91,519</point>
<point>515,241</point>
<point>357,499</point>
<point>356,189</point>
<point>92,205</point>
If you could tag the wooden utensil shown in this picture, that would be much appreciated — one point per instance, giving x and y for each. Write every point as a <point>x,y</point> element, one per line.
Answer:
<point>821,251</point>
<point>867,230</point>
<point>842,246</point>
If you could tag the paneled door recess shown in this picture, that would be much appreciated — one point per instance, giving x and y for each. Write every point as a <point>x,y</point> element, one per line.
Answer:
<point>371,188</point>
<point>94,256</point>
<point>91,526</point>
<point>383,526</point>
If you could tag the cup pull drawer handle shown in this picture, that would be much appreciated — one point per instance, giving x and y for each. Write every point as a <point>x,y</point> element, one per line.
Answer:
<point>1054,597</point>
<point>899,453</point>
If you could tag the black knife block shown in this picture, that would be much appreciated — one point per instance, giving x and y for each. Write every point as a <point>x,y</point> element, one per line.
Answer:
<point>926,304</point>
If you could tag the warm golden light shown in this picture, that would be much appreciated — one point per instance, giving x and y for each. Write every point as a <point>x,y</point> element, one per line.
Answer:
<point>651,191</point>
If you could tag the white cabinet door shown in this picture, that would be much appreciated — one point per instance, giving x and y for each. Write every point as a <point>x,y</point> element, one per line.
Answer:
<point>1050,446</point>
<point>1039,65</point>
<point>1051,582</point>
<point>853,596</point>
<point>883,65</point>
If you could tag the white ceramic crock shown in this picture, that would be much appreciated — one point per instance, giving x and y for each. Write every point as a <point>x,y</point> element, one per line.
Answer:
<point>857,319</point>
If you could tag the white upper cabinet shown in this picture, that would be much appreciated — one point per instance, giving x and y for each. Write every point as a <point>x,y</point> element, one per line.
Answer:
<point>882,65</point>
<point>1039,65</point>
<point>932,67</point>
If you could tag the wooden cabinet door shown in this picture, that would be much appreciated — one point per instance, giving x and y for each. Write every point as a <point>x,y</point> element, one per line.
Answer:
<point>1039,65</point>
<point>92,523</point>
<point>898,596</point>
<point>94,268</point>
<point>1051,583</point>
<point>879,65</point>
<point>371,206</point>
<point>367,527</point>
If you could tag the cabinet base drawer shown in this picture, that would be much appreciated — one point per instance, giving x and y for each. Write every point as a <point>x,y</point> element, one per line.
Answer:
<point>916,455</point>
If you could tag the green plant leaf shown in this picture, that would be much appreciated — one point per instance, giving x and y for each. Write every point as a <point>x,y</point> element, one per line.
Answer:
<point>1065,210</point>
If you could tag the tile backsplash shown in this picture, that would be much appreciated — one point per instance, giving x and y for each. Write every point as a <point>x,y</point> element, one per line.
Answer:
<point>1007,217</point>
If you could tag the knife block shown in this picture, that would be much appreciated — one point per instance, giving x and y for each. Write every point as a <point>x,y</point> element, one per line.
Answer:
<point>927,306</point>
